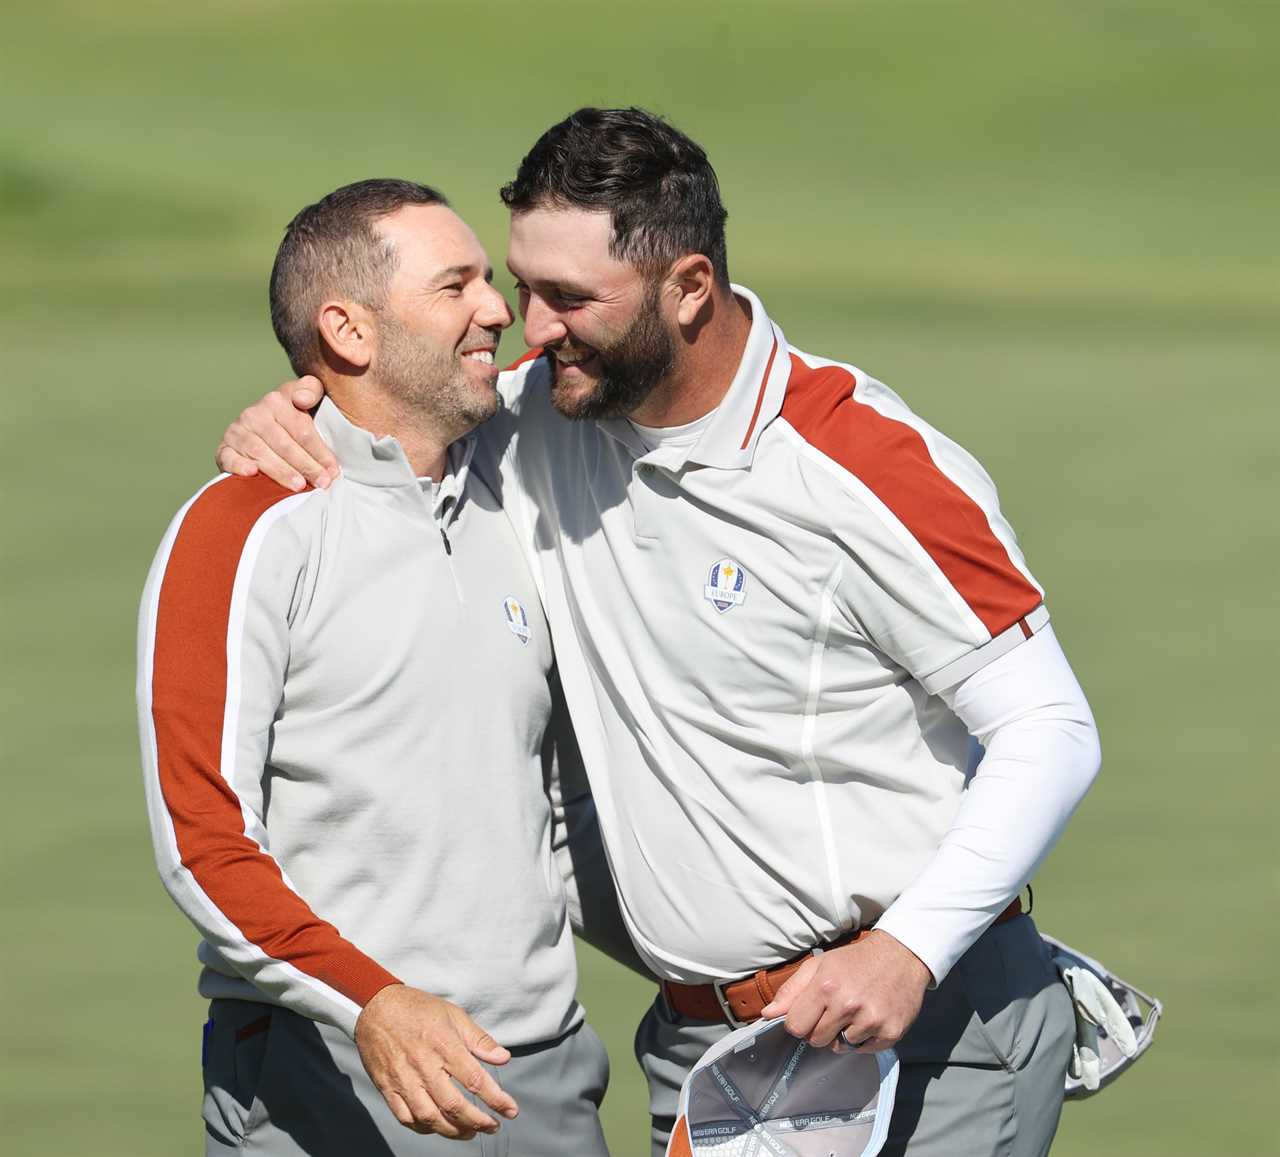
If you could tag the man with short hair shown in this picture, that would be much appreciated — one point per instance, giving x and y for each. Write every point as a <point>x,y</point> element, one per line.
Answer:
<point>346,703</point>
<point>829,730</point>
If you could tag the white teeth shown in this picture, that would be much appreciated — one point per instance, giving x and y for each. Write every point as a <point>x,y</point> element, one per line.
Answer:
<point>483,356</point>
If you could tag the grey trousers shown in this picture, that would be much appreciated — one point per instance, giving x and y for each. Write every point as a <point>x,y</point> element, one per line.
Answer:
<point>281,1085</point>
<point>982,1068</point>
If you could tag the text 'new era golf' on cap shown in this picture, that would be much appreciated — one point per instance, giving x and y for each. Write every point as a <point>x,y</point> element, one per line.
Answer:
<point>760,1092</point>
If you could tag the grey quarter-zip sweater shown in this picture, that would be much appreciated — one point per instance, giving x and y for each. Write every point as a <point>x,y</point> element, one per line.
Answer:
<point>343,700</point>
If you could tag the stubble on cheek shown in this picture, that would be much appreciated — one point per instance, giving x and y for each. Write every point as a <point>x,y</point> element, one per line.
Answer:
<point>630,368</point>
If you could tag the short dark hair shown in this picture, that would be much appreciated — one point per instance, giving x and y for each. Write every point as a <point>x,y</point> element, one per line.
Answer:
<point>657,185</point>
<point>331,248</point>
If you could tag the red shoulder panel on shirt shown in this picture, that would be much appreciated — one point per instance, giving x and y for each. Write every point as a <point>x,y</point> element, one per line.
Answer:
<point>527,357</point>
<point>188,702</point>
<point>892,460</point>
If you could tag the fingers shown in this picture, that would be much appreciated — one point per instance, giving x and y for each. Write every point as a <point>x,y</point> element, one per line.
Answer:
<point>802,999</point>
<point>455,1115</point>
<point>305,449</point>
<point>434,1104</point>
<point>480,1083</point>
<point>482,1044</point>
<point>810,1005</point>
<point>780,1005</point>
<point>835,993</point>
<point>305,392</point>
<point>398,1106</point>
<point>230,461</point>
<point>472,1077</point>
<point>291,435</point>
<point>850,1041</point>
<point>264,459</point>
<point>417,1049</point>
<point>416,1110</point>
<point>846,1022</point>
<point>835,1017</point>
<point>281,441</point>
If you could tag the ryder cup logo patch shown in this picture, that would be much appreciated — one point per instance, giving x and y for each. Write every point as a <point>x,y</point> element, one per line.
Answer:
<point>726,585</point>
<point>517,620</point>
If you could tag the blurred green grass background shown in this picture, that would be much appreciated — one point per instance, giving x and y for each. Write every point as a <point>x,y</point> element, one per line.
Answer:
<point>1052,227</point>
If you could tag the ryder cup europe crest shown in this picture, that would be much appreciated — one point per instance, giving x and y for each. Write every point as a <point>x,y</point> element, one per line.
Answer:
<point>517,620</point>
<point>726,585</point>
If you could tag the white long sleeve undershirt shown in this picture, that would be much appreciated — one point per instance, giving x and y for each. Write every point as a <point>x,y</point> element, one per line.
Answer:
<point>1028,711</point>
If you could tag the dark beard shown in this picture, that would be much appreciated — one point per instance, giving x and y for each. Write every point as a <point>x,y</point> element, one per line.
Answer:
<point>632,366</point>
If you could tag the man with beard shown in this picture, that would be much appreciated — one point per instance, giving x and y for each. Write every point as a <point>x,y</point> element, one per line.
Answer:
<point>346,706</point>
<point>828,727</point>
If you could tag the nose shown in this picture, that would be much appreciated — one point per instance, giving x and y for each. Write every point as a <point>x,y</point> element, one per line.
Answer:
<point>542,324</point>
<point>494,312</point>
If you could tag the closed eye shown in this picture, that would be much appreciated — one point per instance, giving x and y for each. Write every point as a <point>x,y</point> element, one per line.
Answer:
<point>560,298</point>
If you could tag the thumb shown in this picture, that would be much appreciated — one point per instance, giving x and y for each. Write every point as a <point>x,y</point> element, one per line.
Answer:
<point>780,1005</point>
<point>306,392</point>
<point>480,1043</point>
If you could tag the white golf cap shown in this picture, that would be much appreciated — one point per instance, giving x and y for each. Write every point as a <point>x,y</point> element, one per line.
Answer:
<point>760,1092</point>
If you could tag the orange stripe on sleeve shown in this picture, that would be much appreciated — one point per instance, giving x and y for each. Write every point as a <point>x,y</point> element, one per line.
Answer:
<point>892,460</point>
<point>188,701</point>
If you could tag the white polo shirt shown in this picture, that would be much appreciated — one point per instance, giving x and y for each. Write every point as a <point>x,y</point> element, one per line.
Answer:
<point>753,629</point>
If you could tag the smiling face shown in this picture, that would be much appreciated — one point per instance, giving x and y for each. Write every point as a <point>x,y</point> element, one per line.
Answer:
<point>439,323</point>
<point>601,319</point>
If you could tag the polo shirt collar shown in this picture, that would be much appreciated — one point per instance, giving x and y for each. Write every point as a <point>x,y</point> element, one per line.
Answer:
<point>753,400</point>
<point>754,397</point>
<point>374,461</point>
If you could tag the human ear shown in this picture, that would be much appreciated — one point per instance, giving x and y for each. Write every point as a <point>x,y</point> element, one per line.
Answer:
<point>693,279</point>
<point>345,331</point>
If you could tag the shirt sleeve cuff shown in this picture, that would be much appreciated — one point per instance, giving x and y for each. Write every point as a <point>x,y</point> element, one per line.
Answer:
<point>973,661</point>
<point>938,936</point>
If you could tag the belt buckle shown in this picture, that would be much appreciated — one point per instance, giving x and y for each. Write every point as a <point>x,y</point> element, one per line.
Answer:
<point>723,1001</point>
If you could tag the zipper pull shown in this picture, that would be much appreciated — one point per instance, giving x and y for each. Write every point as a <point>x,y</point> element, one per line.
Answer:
<point>445,539</point>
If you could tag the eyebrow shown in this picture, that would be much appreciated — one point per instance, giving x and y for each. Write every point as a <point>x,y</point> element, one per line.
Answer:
<point>563,285</point>
<point>456,271</point>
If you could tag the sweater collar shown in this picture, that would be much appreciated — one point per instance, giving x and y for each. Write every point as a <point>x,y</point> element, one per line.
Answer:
<point>373,461</point>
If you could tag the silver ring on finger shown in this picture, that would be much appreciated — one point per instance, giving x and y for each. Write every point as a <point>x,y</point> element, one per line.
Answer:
<point>844,1036</point>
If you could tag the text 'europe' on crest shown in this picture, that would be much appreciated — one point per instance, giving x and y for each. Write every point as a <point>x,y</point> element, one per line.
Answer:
<point>726,585</point>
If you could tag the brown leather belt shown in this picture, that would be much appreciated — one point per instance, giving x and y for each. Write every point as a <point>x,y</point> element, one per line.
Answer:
<point>739,1002</point>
